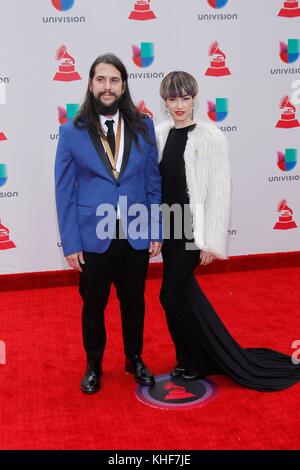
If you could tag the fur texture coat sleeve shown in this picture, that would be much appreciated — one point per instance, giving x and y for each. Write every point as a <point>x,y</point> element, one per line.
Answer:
<point>208,183</point>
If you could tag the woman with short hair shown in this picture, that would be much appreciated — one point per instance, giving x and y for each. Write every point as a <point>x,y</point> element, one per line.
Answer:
<point>195,171</point>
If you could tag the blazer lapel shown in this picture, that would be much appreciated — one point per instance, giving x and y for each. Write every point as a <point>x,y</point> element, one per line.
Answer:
<point>100,150</point>
<point>127,148</point>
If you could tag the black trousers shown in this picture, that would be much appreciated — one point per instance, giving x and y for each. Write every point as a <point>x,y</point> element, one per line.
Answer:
<point>127,269</point>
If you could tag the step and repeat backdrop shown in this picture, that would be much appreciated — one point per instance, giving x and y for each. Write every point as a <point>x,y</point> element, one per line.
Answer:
<point>245,55</point>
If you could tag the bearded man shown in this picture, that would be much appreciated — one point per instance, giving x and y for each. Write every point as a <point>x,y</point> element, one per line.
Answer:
<point>108,154</point>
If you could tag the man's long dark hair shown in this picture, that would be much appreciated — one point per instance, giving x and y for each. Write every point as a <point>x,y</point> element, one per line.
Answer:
<point>87,115</point>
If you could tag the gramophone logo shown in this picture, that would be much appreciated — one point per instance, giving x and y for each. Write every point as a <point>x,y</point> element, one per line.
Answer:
<point>2,136</point>
<point>217,64</point>
<point>3,174</point>
<point>5,242</point>
<point>63,5</point>
<point>288,114</point>
<point>218,110</point>
<point>290,51</point>
<point>142,11</point>
<point>175,393</point>
<point>66,70</point>
<point>67,113</point>
<point>143,56</point>
<point>290,9</point>
<point>142,108</point>
<point>285,219</point>
<point>287,160</point>
<point>217,3</point>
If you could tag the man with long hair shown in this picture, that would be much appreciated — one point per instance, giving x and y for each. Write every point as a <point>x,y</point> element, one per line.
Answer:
<point>108,155</point>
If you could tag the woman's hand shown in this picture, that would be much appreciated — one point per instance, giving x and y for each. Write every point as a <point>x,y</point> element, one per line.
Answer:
<point>206,257</point>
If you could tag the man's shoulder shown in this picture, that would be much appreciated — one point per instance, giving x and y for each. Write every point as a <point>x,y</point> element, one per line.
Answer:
<point>145,125</point>
<point>69,127</point>
<point>145,118</point>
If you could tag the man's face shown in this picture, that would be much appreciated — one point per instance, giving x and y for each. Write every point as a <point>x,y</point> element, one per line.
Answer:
<point>107,85</point>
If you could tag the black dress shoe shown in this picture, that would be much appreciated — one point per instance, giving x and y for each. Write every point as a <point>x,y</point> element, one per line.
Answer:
<point>142,374</point>
<point>178,371</point>
<point>91,380</point>
<point>191,375</point>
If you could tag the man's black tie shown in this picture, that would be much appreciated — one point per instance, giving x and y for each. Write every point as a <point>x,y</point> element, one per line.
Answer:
<point>111,135</point>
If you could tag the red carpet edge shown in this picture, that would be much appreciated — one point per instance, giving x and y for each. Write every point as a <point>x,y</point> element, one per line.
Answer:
<point>40,280</point>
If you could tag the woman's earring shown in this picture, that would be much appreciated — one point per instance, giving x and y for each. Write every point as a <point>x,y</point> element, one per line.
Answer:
<point>166,114</point>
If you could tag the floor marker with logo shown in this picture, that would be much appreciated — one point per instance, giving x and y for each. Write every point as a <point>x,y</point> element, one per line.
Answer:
<point>175,393</point>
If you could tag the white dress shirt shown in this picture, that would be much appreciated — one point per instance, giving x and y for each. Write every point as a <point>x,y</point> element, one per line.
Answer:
<point>121,149</point>
<point>104,127</point>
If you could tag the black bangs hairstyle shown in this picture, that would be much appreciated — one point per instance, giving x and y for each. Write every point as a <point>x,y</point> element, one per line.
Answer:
<point>178,84</point>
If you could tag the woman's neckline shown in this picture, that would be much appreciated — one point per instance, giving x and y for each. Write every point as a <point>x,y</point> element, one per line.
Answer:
<point>183,128</point>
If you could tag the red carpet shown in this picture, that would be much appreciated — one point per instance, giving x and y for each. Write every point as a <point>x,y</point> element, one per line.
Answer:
<point>42,407</point>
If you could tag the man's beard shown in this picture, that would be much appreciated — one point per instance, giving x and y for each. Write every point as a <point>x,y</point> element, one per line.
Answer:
<point>104,109</point>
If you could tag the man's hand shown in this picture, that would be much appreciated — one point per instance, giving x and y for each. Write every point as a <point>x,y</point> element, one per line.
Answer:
<point>206,257</point>
<point>154,249</point>
<point>74,260</point>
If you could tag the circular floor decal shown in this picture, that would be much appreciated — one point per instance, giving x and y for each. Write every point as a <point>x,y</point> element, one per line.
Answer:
<point>176,393</point>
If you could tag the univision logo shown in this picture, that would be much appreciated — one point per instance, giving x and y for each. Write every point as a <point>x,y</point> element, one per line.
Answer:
<point>3,181</point>
<point>3,174</point>
<point>63,5</point>
<point>218,110</point>
<point>290,51</point>
<point>67,113</point>
<point>143,56</point>
<point>217,3</point>
<point>286,161</point>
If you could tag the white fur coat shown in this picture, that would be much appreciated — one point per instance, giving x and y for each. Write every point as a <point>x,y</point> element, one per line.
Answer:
<point>208,183</point>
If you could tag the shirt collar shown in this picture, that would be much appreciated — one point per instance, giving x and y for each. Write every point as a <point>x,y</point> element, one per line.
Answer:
<point>104,118</point>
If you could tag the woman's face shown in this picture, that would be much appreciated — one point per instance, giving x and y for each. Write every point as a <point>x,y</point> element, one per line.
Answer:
<point>181,108</point>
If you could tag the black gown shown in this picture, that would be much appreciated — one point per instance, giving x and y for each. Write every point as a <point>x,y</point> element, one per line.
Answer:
<point>202,342</point>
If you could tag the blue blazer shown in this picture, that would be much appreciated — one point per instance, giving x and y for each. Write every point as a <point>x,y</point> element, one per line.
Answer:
<point>87,193</point>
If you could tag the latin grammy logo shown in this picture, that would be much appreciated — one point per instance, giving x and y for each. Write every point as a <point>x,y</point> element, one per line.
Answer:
<point>142,11</point>
<point>290,9</point>
<point>5,242</point>
<point>285,220</point>
<point>66,70</point>
<point>288,117</point>
<point>176,392</point>
<point>2,136</point>
<point>141,107</point>
<point>217,65</point>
